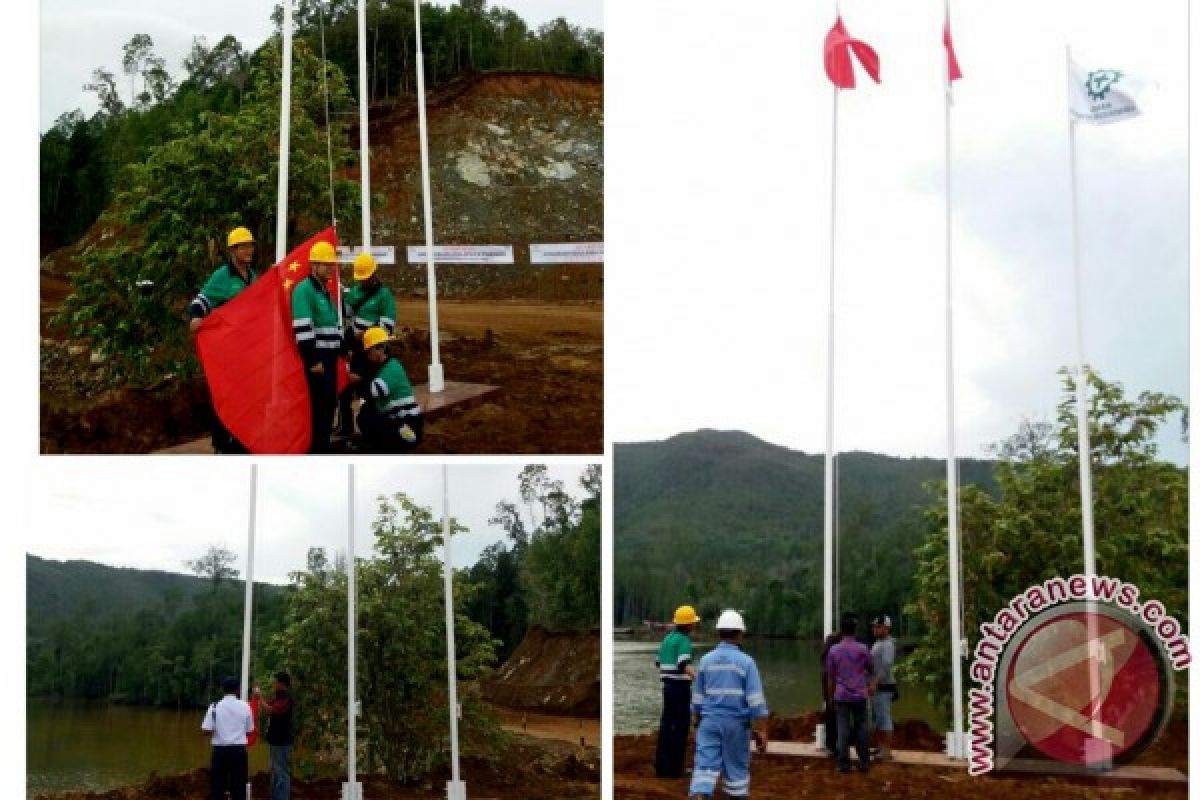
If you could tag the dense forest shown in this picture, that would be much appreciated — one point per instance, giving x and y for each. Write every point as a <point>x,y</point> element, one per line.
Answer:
<point>720,518</point>
<point>82,158</point>
<point>159,638</point>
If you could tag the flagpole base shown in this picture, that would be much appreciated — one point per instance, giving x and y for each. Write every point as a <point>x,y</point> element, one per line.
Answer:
<point>352,791</point>
<point>437,378</point>
<point>456,790</point>
<point>956,744</point>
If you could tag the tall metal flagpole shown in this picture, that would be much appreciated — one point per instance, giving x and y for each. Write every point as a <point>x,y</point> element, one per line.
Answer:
<point>285,130</point>
<point>248,610</point>
<point>1081,384</point>
<point>956,749</point>
<point>456,789</point>
<point>364,99</point>
<point>354,789</point>
<point>437,377</point>
<point>829,459</point>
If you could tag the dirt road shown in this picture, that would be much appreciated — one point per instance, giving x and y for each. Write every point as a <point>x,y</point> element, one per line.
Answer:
<point>547,726</point>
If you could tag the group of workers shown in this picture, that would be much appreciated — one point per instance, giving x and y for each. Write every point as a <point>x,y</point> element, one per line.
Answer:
<point>231,721</point>
<point>722,696</point>
<point>390,419</point>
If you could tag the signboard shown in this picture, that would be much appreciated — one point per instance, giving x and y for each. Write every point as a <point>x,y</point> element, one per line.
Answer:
<point>463,254</point>
<point>384,254</point>
<point>567,253</point>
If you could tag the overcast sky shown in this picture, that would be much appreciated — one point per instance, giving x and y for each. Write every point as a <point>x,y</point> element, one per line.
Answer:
<point>155,513</point>
<point>718,219</point>
<point>80,35</point>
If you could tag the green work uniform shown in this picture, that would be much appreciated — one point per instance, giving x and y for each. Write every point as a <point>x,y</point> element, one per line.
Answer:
<point>222,286</point>
<point>315,326</point>
<point>391,418</point>
<point>674,654</point>
<point>370,307</point>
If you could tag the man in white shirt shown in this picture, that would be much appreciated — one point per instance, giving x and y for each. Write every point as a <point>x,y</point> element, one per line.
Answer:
<point>229,720</point>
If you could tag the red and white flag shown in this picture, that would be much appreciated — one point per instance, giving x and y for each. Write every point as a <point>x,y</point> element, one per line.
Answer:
<point>953,73</point>
<point>838,65</point>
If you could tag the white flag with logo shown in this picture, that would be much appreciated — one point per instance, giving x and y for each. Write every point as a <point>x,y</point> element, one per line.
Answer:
<point>1102,96</point>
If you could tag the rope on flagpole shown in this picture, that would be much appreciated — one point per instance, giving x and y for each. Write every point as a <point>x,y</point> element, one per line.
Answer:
<point>328,130</point>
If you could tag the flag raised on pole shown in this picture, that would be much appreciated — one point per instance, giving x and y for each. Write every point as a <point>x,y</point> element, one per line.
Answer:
<point>838,65</point>
<point>1103,96</point>
<point>953,73</point>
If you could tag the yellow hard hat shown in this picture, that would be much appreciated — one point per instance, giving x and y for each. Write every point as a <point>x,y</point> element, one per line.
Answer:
<point>322,253</point>
<point>374,336</point>
<point>238,236</point>
<point>364,266</point>
<point>685,615</point>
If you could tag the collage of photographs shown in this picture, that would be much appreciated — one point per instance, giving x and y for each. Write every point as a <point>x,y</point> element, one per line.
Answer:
<point>558,399</point>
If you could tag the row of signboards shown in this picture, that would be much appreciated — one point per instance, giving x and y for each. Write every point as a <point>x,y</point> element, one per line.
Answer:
<point>561,253</point>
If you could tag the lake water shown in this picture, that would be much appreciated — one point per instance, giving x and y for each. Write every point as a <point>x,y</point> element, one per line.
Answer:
<point>790,672</point>
<point>96,747</point>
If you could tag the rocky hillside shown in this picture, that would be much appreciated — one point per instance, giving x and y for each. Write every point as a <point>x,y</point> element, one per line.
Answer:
<point>551,673</point>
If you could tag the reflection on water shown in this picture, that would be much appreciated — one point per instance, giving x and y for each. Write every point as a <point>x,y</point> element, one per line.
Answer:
<point>790,671</point>
<point>95,746</point>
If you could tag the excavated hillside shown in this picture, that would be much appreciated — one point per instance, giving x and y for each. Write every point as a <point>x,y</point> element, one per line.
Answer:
<point>550,672</point>
<point>515,158</point>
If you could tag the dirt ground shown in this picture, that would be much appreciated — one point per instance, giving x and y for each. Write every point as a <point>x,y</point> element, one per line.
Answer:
<point>775,776</point>
<point>549,726</point>
<point>548,361</point>
<point>556,672</point>
<point>532,769</point>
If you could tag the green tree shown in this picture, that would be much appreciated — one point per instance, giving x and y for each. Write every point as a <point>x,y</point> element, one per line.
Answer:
<point>1030,530</point>
<point>401,650</point>
<point>171,212</point>
<point>215,565</point>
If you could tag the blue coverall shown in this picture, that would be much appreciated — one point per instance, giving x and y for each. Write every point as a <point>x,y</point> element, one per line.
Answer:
<point>728,695</point>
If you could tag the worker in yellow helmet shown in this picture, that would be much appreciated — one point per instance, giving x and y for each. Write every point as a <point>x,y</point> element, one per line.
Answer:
<point>677,673</point>
<point>390,418</point>
<point>368,304</point>
<point>319,339</point>
<point>223,285</point>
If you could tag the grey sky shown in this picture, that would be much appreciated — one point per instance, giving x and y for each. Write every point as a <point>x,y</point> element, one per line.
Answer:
<point>78,35</point>
<point>155,513</point>
<point>723,203</point>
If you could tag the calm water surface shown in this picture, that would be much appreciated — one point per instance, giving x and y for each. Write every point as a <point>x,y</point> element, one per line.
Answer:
<point>95,746</point>
<point>790,671</point>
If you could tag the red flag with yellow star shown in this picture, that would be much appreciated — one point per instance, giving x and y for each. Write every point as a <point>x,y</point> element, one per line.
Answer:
<point>249,355</point>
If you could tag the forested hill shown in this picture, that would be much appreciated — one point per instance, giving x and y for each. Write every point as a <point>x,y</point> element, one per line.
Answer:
<point>721,518</point>
<point>60,590</point>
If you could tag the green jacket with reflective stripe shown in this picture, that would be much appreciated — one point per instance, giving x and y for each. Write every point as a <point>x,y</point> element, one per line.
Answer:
<point>392,393</point>
<point>315,322</point>
<point>222,286</point>
<point>366,308</point>
<point>674,654</point>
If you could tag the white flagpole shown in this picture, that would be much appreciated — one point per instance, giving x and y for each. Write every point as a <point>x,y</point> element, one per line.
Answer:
<point>364,99</point>
<point>1081,384</point>
<point>437,377</point>
<point>827,618</point>
<point>285,129</point>
<point>248,609</point>
<point>956,749</point>
<point>456,789</point>
<point>355,791</point>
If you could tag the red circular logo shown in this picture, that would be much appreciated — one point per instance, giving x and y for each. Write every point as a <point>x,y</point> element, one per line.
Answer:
<point>1084,688</point>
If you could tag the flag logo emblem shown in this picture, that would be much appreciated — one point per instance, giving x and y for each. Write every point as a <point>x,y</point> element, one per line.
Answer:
<point>1100,81</point>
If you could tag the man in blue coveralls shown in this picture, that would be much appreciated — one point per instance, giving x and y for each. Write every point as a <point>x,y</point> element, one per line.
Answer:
<point>727,696</point>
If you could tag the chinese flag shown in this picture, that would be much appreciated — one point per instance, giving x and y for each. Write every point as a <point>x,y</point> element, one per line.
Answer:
<point>254,370</point>
<point>252,736</point>
<point>838,64</point>
<point>952,70</point>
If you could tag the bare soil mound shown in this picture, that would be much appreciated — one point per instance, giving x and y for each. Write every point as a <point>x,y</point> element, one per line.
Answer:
<point>549,672</point>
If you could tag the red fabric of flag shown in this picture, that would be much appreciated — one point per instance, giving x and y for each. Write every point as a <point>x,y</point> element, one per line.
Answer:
<point>838,64</point>
<point>952,70</point>
<point>249,355</point>
<point>252,736</point>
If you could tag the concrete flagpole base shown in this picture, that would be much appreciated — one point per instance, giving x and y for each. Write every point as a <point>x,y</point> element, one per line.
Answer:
<point>437,378</point>
<point>456,790</point>
<point>352,791</point>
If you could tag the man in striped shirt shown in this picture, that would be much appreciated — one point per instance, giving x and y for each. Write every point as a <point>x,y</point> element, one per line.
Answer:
<point>675,668</point>
<point>727,695</point>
